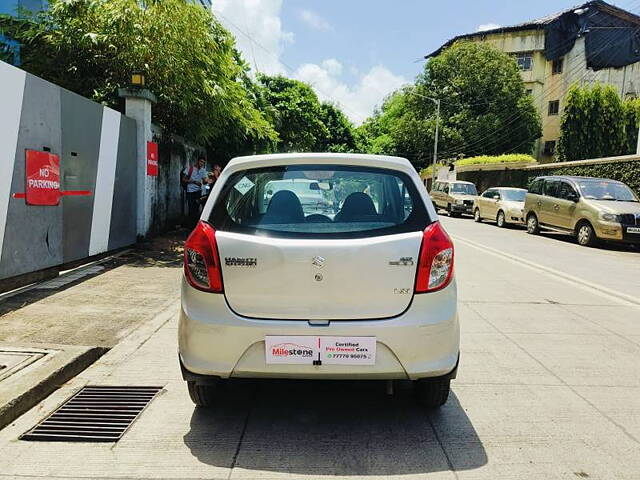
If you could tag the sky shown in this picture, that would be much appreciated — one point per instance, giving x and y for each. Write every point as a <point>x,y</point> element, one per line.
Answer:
<point>355,52</point>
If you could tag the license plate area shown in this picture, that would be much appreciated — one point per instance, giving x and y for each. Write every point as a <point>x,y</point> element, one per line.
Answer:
<point>633,229</point>
<point>319,350</point>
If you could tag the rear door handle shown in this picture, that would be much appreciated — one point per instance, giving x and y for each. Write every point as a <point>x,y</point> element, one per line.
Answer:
<point>539,203</point>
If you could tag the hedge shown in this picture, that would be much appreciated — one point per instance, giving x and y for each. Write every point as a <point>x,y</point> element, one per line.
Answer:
<point>486,159</point>
<point>627,172</point>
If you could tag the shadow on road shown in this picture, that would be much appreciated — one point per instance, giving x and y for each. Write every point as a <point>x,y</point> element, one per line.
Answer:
<point>335,428</point>
<point>602,245</point>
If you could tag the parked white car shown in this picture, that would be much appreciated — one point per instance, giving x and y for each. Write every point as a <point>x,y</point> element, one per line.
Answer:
<point>504,205</point>
<point>272,291</point>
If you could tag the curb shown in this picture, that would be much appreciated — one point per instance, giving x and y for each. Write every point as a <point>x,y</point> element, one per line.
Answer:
<point>49,384</point>
<point>557,273</point>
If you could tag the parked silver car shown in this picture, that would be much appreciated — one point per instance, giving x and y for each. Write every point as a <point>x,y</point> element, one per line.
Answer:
<point>504,205</point>
<point>272,291</point>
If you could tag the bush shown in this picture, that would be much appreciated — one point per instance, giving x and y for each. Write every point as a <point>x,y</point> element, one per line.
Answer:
<point>487,159</point>
<point>626,172</point>
<point>593,124</point>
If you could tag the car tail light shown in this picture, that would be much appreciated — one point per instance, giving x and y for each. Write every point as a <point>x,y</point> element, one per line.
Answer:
<point>435,268</point>
<point>201,260</point>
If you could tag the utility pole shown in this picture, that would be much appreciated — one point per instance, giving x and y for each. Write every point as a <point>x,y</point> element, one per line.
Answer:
<point>435,141</point>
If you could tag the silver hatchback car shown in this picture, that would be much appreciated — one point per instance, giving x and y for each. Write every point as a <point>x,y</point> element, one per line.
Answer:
<point>362,288</point>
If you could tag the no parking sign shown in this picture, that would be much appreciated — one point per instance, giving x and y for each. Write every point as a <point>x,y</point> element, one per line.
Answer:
<point>43,178</point>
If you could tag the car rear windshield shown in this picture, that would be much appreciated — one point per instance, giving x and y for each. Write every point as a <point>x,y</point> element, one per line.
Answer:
<point>606,190</point>
<point>319,201</point>
<point>514,195</point>
<point>464,188</point>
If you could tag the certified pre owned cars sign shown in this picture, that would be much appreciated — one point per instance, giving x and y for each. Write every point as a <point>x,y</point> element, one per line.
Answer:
<point>312,350</point>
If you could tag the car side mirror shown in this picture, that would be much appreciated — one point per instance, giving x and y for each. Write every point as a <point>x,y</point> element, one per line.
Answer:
<point>496,197</point>
<point>573,197</point>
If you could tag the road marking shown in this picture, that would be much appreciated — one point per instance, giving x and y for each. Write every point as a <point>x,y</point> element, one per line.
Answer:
<point>621,298</point>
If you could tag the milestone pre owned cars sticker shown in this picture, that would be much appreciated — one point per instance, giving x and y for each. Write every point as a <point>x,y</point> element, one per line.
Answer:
<point>319,350</point>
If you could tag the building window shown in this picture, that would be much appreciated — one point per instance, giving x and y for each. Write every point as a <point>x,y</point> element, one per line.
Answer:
<point>556,66</point>
<point>549,148</point>
<point>529,91</point>
<point>554,107</point>
<point>525,61</point>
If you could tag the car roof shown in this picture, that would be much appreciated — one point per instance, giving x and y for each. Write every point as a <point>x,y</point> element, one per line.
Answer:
<point>576,178</point>
<point>505,188</point>
<point>359,159</point>
<point>455,181</point>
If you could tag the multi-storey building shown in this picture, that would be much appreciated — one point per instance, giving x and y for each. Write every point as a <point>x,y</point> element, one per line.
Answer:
<point>595,42</point>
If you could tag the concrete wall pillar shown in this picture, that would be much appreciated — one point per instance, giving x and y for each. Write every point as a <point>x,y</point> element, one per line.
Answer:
<point>138,103</point>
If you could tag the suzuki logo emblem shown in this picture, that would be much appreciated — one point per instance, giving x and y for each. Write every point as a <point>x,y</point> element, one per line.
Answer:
<point>318,261</point>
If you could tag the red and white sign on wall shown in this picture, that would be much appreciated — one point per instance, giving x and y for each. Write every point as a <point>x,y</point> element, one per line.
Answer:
<point>152,159</point>
<point>43,178</point>
<point>42,172</point>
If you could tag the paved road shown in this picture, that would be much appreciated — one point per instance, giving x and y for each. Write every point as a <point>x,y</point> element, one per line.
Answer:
<point>612,266</point>
<point>548,388</point>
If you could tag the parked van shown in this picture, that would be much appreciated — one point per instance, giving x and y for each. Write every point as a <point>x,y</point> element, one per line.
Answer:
<point>592,209</point>
<point>455,196</point>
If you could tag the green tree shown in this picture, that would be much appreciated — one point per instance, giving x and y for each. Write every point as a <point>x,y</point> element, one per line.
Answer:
<point>297,114</point>
<point>340,131</point>
<point>593,124</point>
<point>92,46</point>
<point>484,108</point>
<point>631,125</point>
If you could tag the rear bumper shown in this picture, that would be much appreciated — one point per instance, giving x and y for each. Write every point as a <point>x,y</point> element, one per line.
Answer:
<point>213,341</point>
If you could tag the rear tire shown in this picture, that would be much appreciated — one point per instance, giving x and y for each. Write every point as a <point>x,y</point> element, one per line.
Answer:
<point>432,392</point>
<point>533,227</point>
<point>203,395</point>
<point>586,235</point>
<point>476,216</point>
<point>501,221</point>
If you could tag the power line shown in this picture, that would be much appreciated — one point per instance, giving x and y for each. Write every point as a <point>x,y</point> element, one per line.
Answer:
<point>428,156</point>
<point>511,119</point>
<point>494,139</point>
<point>290,69</point>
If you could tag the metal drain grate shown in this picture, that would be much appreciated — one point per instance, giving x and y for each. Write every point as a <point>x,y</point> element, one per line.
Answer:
<point>94,414</point>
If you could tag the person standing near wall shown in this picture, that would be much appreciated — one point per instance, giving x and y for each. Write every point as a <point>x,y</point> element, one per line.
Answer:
<point>192,178</point>
<point>217,169</point>
<point>207,186</point>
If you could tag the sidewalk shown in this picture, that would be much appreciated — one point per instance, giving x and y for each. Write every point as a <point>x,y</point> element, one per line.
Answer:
<point>102,308</point>
<point>158,444</point>
<point>53,331</point>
